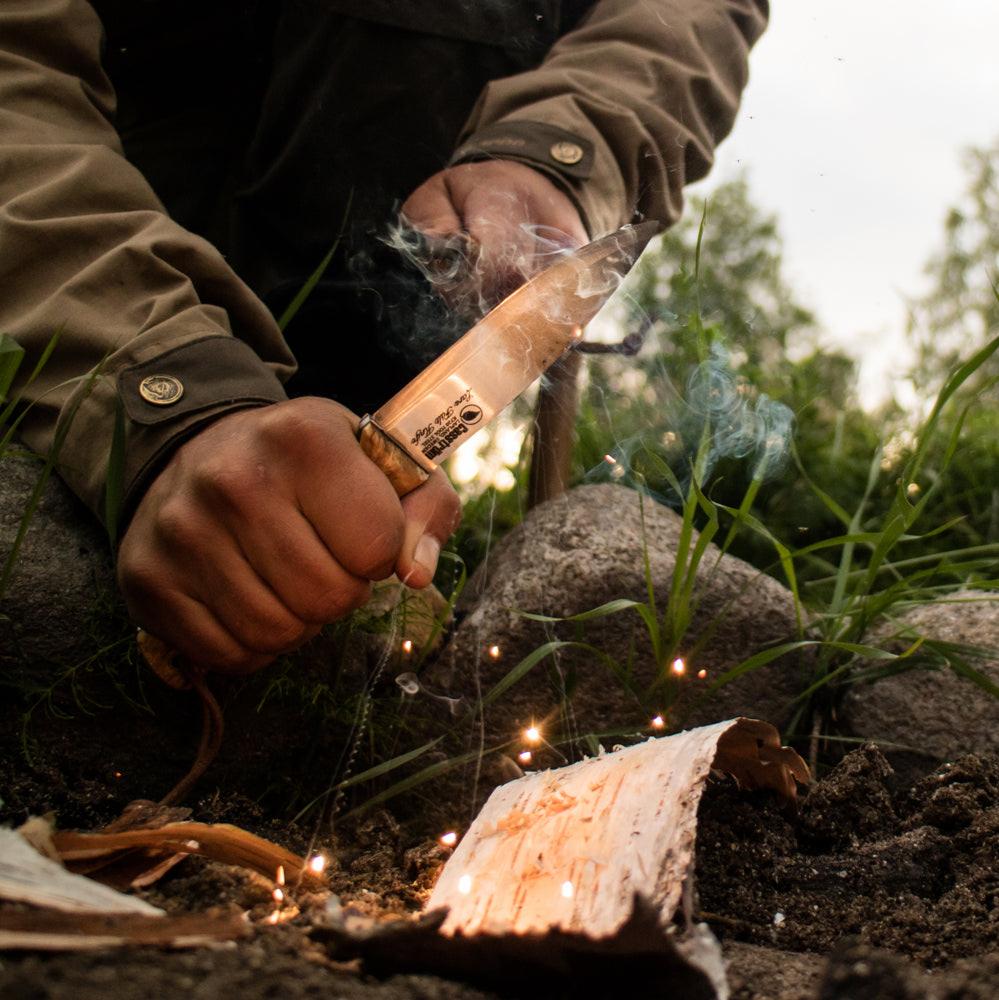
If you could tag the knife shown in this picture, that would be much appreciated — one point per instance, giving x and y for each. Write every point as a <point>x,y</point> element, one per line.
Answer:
<point>461,391</point>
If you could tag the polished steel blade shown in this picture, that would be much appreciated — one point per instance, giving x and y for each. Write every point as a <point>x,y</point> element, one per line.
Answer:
<point>511,346</point>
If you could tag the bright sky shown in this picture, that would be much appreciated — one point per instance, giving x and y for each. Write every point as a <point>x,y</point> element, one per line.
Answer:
<point>852,128</point>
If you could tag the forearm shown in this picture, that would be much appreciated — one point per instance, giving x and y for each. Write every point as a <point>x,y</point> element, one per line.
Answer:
<point>86,251</point>
<point>648,88</point>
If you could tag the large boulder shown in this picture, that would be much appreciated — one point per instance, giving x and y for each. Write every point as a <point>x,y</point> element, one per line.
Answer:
<point>61,598</point>
<point>583,550</point>
<point>936,714</point>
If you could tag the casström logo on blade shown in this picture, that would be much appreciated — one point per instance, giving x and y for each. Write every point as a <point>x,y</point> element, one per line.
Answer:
<point>471,414</point>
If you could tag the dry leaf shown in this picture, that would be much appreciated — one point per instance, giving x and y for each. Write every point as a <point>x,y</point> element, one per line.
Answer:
<point>48,931</point>
<point>218,841</point>
<point>29,877</point>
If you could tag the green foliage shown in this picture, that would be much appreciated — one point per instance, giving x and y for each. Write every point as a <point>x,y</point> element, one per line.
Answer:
<point>958,312</point>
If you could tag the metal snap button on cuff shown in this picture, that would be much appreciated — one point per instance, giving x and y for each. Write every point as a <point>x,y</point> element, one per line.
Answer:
<point>566,152</point>
<point>161,390</point>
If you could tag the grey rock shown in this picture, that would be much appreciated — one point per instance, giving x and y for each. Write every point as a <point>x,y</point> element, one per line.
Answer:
<point>585,549</point>
<point>937,714</point>
<point>61,597</point>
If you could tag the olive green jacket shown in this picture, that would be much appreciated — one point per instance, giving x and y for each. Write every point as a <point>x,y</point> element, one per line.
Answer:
<point>623,110</point>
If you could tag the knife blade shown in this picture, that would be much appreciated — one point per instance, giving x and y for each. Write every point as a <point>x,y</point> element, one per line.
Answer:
<point>463,389</point>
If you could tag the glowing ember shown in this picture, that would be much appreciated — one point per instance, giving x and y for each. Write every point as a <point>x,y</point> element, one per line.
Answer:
<point>658,722</point>
<point>280,875</point>
<point>317,864</point>
<point>278,895</point>
<point>532,734</point>
<point>679,667</point>
<point>449,839</point>
<point>465,884</point>
<point>567,890</point>
<point>525,756</point>
<point>494,652</point>
<point>407,646</point>
<point>702,673</point>
<point>274,917</point>
<point>117,774</point>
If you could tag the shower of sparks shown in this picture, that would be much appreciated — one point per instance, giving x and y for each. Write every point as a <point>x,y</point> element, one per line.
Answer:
<point>494,652</point>
<point>449,839</point>
<point>658,722</point>
<point>532,734</point>
<point>465,884</point>
<point>702,673</point>
<point>317,864</point>
<point>525,756</point>
<point>567,890</point>
<point>679,667</point>
<point>407,646</point>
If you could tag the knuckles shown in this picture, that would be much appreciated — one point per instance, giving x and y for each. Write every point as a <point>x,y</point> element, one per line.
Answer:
<point>334,604</point>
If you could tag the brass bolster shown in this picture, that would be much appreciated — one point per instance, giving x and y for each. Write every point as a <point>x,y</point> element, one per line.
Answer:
<point>402,471</point>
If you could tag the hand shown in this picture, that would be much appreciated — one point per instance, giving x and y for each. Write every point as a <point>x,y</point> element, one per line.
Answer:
<point>267,525</point>
<point>516,217</point>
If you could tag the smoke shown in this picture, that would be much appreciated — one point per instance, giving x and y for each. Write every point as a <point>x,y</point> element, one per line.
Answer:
<point>429,290</point>
<point>411,686</point>
<point>719,416</point>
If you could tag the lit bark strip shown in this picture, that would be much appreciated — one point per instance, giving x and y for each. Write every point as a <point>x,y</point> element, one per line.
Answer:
<point>569,848</point>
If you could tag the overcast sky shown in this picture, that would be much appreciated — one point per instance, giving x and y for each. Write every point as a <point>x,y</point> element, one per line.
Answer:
<point>851,129</point>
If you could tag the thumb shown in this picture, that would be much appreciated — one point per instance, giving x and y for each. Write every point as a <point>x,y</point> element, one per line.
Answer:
<point>432,513</point>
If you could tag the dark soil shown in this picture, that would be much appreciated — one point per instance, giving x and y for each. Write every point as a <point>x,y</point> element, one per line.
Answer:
<point>870,890</point>
<point>911,871</point>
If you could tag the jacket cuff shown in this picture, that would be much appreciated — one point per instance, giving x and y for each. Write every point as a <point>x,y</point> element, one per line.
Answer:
<point>169,398</point>
<point>564,157</point>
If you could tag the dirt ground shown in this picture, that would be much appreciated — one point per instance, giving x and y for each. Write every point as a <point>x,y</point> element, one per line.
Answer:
<point>874,888</point>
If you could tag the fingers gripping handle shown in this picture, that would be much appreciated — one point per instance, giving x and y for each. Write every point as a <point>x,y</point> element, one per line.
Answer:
<point>402,471</point>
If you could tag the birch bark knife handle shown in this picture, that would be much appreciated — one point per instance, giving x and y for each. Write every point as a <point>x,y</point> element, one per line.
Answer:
<point>402,471</point>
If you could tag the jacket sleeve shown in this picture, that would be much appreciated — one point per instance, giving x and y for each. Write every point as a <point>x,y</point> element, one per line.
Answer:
<point>87,252</point>
<point>627,108</point>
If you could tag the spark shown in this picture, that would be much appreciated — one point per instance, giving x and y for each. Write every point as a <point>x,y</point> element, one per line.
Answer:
<point>610,459</point>
<point>118,774</point>
<point>532,734</point>
<point>702,673</point>
<point>317,864</point>
<point>525,756</point>
<point>278,895</point>
<point>449,839</point>
<point>658,722</point>
<point>494,652</point>
<point>465,884</point>
<point>577,333</point>
<point>280,875</point>
<point>274,917</point>
<point>679,667</point>
<point>567,890</point>
<point>407,646</point>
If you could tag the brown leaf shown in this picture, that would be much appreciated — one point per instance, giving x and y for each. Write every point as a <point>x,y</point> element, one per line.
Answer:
<point>218,841</point>
<point>47,930</point>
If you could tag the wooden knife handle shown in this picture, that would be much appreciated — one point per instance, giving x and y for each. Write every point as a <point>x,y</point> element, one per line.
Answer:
<point>402,471</point>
